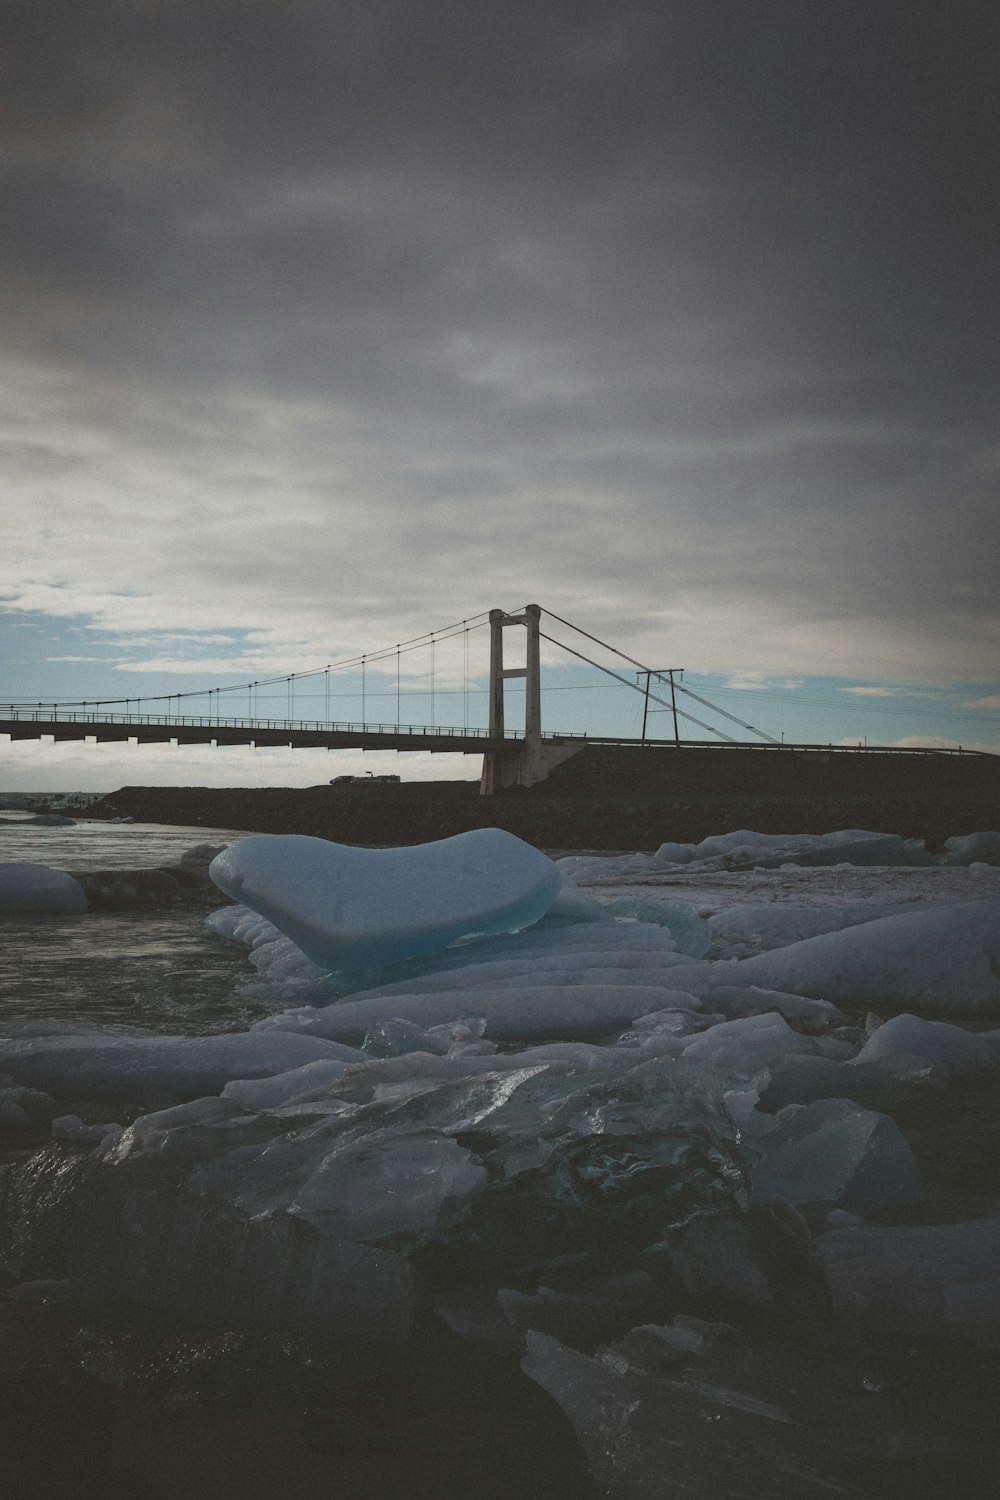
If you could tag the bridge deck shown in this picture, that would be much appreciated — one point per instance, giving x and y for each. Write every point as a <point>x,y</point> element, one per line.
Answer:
<point>295,734</point>
<point>33,724</point>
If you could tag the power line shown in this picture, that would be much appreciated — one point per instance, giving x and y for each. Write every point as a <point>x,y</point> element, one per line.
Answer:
<point>634,686</point>
<point>644,669</point>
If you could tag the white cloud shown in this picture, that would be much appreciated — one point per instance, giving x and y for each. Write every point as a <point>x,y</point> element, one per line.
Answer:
<point>991,702</point>
<point>758,682</point>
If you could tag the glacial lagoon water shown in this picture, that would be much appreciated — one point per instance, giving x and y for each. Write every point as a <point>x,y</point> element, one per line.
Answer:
<point>152,968</point>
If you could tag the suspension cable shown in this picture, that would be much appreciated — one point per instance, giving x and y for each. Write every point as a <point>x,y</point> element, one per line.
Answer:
<point>636,688</point>
<point>678,686</point>
<point>415,643</point>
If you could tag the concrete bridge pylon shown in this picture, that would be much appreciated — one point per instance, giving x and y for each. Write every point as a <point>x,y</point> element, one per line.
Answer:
<point>532,761</point>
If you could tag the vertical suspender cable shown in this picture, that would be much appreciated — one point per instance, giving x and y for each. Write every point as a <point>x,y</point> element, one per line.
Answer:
<point>433,714</point>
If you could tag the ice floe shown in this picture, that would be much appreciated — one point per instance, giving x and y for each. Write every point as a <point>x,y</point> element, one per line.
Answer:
<point>79,1062</point>
<point>933,957</point>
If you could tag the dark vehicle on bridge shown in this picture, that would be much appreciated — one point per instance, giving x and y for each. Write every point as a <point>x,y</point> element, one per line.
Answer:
<point>366,780</point>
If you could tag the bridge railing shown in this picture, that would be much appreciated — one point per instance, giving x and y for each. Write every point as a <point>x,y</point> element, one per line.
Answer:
<point>41,714</point>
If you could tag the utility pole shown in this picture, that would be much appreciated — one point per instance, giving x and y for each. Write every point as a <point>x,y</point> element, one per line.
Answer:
<point>662,672</point>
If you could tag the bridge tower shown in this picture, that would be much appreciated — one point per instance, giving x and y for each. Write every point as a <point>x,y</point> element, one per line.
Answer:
<point>531,760</point>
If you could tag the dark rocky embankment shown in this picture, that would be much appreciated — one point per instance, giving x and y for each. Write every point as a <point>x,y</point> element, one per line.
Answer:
<point>615,798</point>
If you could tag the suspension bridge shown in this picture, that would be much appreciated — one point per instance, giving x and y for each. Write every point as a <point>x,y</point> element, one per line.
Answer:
<point>513,754</point>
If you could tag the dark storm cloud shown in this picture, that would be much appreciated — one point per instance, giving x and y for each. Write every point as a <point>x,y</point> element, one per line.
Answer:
<point>691,297</point>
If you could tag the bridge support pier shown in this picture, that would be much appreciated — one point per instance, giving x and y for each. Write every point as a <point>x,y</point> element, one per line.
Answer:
<point>521,768</point>
<point>531,761</point>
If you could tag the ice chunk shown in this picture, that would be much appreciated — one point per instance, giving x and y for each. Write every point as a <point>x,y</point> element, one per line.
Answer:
<point>292,1087</point>
<point>675,854</point>
<point>931,1279</point>
<point>549,938</point>
<point>837,1153</point>
<point>810,1015</point>
<point>586,867</point>
<point>24,1108</point>
<point>385,1186</point>
<point>690,932</point>
<point>201,855</point>
<point>933,957</point>
<point>891,1085</point>
<point>744,849</point>
<point>715,1257</point>
<point>352,908</point>
<point>524,1013</point>
<point>953,1052</point>
<point>740,931</point>
<point>653,1437</point>
<point>75,1062</point>
<point>270,1201</point>
<point>573,903</point>
<point>591,1310</point>
<point>72,1128</point>
<point>974,849</point>
<point>559,969</point>
<point>37,888</point>
<point>739,1051</point>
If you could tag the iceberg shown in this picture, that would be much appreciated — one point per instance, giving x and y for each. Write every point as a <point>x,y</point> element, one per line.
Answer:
<point>353,908</point>
<point>37,888</point>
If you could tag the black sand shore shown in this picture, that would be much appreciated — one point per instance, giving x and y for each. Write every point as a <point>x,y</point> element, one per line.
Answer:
<point>606,799</point>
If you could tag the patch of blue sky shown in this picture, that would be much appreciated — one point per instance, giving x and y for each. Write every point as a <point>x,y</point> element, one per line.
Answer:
<point>836,710</point>
<point>46,658</point>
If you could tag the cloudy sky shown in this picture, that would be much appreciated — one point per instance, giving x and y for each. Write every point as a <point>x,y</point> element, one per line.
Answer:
<point>329,323</point>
